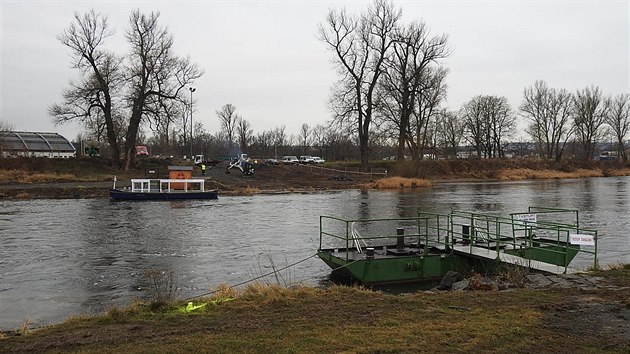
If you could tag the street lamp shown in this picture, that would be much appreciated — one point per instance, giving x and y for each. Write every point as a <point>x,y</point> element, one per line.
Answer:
<point>192,89</point>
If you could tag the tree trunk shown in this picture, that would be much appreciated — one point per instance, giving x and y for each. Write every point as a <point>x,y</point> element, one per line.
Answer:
<point>132,131</point>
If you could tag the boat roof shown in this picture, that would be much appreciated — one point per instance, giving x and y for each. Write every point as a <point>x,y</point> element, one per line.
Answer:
<point>180,168</point>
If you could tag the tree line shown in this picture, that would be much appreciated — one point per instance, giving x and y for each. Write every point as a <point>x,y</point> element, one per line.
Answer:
<point>391,86</point>
<point>388,99</point>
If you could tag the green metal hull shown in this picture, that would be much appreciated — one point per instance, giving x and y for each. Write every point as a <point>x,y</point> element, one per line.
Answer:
<point>402,269</point>
<point>551,254</point>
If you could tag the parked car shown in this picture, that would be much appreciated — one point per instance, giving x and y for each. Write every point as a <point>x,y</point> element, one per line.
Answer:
<point>142,151</point>
<point>290,160</point>
<point>318,160</point>
<point>306,159</point>
<point>272,162</point>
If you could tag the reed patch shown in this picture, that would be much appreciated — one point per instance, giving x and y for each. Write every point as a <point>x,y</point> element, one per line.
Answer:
<point>397,183</point>
<point>617,172</point>
<point>249,191</point>
<point>517,174</point>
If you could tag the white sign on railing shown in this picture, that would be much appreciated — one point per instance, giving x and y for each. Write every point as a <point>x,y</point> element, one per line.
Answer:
<point>581,239</point>
<point>526,217</point>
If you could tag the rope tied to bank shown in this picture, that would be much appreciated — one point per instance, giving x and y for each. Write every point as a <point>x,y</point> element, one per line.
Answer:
<point>256,278</point>
<point>266,275</point>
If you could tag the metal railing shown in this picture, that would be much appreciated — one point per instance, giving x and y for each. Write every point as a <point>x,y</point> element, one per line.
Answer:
<point>525,235</point>
<point>347,234</point>
<point>555,240</point>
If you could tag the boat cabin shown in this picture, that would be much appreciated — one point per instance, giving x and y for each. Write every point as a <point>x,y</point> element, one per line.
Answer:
<point>179,172</point>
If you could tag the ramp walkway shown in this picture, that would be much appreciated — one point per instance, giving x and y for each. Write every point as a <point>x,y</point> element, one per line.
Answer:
<point>543,239</point>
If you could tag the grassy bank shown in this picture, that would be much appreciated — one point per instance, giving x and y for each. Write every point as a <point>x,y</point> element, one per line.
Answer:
<point>25,178</point>
<point>38,170</point>
<point>264,318</point>
<point>45,170</point>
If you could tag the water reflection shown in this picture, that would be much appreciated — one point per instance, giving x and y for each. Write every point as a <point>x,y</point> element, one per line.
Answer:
<point>65,257</point>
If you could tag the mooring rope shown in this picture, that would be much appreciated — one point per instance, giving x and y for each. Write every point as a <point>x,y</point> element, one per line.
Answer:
<point>256,278</point>
<point>268,274</point>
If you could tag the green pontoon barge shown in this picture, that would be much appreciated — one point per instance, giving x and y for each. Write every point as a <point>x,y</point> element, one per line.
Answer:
<point>426,247</point>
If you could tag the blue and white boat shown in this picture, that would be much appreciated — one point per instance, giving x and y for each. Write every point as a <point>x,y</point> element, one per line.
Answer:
<point>163,189</point>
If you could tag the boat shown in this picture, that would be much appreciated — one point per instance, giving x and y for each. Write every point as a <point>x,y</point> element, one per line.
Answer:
<point>163,189</point>
<point>426,247</point>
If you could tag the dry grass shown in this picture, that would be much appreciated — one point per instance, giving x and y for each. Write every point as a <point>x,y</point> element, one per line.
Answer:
<point>22,195</point>
<point>618,265</point>
<point>163,285</point>
<point>22,176</point>
<point>249,191</point>
<point>224,291</point>
<point>339,319</point>
<point>516,174</point>
<point>516,274</point>
<point>398,182</point>
<point>25,329</point>
<point>618,173</point>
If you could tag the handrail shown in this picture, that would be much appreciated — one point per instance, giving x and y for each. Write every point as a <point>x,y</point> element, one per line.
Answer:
<point>522,234</point>
<point>144,185</point>
<point>554,242</point>
<point>421,223</point>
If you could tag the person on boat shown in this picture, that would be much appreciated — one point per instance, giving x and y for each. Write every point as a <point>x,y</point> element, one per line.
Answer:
<point>203,169</point>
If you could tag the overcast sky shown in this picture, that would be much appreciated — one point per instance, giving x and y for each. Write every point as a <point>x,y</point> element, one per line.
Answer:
<point>265,58</point>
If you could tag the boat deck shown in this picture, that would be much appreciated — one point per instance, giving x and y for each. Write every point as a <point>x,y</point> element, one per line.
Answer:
<point>490,254</point>
<point>389,251</point>
<point>483,252</point>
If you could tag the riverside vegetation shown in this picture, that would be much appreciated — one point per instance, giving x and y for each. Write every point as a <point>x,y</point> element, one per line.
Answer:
<point>90,177</point>
<point>296,319</point>
<point>279,319</point>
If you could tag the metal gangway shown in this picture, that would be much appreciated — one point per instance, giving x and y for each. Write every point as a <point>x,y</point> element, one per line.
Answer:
<point>545,239</point>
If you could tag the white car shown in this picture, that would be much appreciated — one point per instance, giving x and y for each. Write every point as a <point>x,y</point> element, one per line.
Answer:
<point>319,160</point>
<point>306,159</point>
<point>290,160</point>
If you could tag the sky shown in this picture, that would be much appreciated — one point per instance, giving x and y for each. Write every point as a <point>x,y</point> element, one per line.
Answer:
<point>265,58</point>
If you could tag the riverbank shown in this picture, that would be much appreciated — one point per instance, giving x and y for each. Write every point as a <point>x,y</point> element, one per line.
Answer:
<point>593,318</point>
<point>27,178</point>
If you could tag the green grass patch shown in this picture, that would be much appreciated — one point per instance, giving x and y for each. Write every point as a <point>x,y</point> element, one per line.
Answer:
<point>315,320</point>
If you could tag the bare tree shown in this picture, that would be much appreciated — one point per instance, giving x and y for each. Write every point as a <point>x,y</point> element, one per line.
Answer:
<point>245,134</point>
<point>229,120</point>
<point>90,99</point>
<point>155,74</point>
<point>502,124</point>
<point>589,113</point>
<point>407,77</point>
<point>360,45</point>
<point>305,137</point>
<point>279,136</point>
<point>319,139</point>
<point>5,128</point>
<point>450,132</point>
<point>263,144</point>
<point>618,118</point>
<point>549,113</point>
<point>488,120</point>
<point>475,124</point>
<point>424,117</point>
<point>166,124</point>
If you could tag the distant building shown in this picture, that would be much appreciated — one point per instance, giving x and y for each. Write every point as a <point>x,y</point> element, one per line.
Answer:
<point>32,144</point>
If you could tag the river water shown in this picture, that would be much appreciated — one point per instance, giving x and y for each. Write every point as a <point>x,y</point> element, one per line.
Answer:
<point>60,258</point>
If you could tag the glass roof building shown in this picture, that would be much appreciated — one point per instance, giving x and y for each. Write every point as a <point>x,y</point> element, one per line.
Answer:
<point>35,145</point>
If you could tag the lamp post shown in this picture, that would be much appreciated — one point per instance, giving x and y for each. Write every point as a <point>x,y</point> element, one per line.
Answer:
<point>192,89</point>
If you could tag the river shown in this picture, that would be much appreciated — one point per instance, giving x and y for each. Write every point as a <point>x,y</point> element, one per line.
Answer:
<point>67,257</point>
